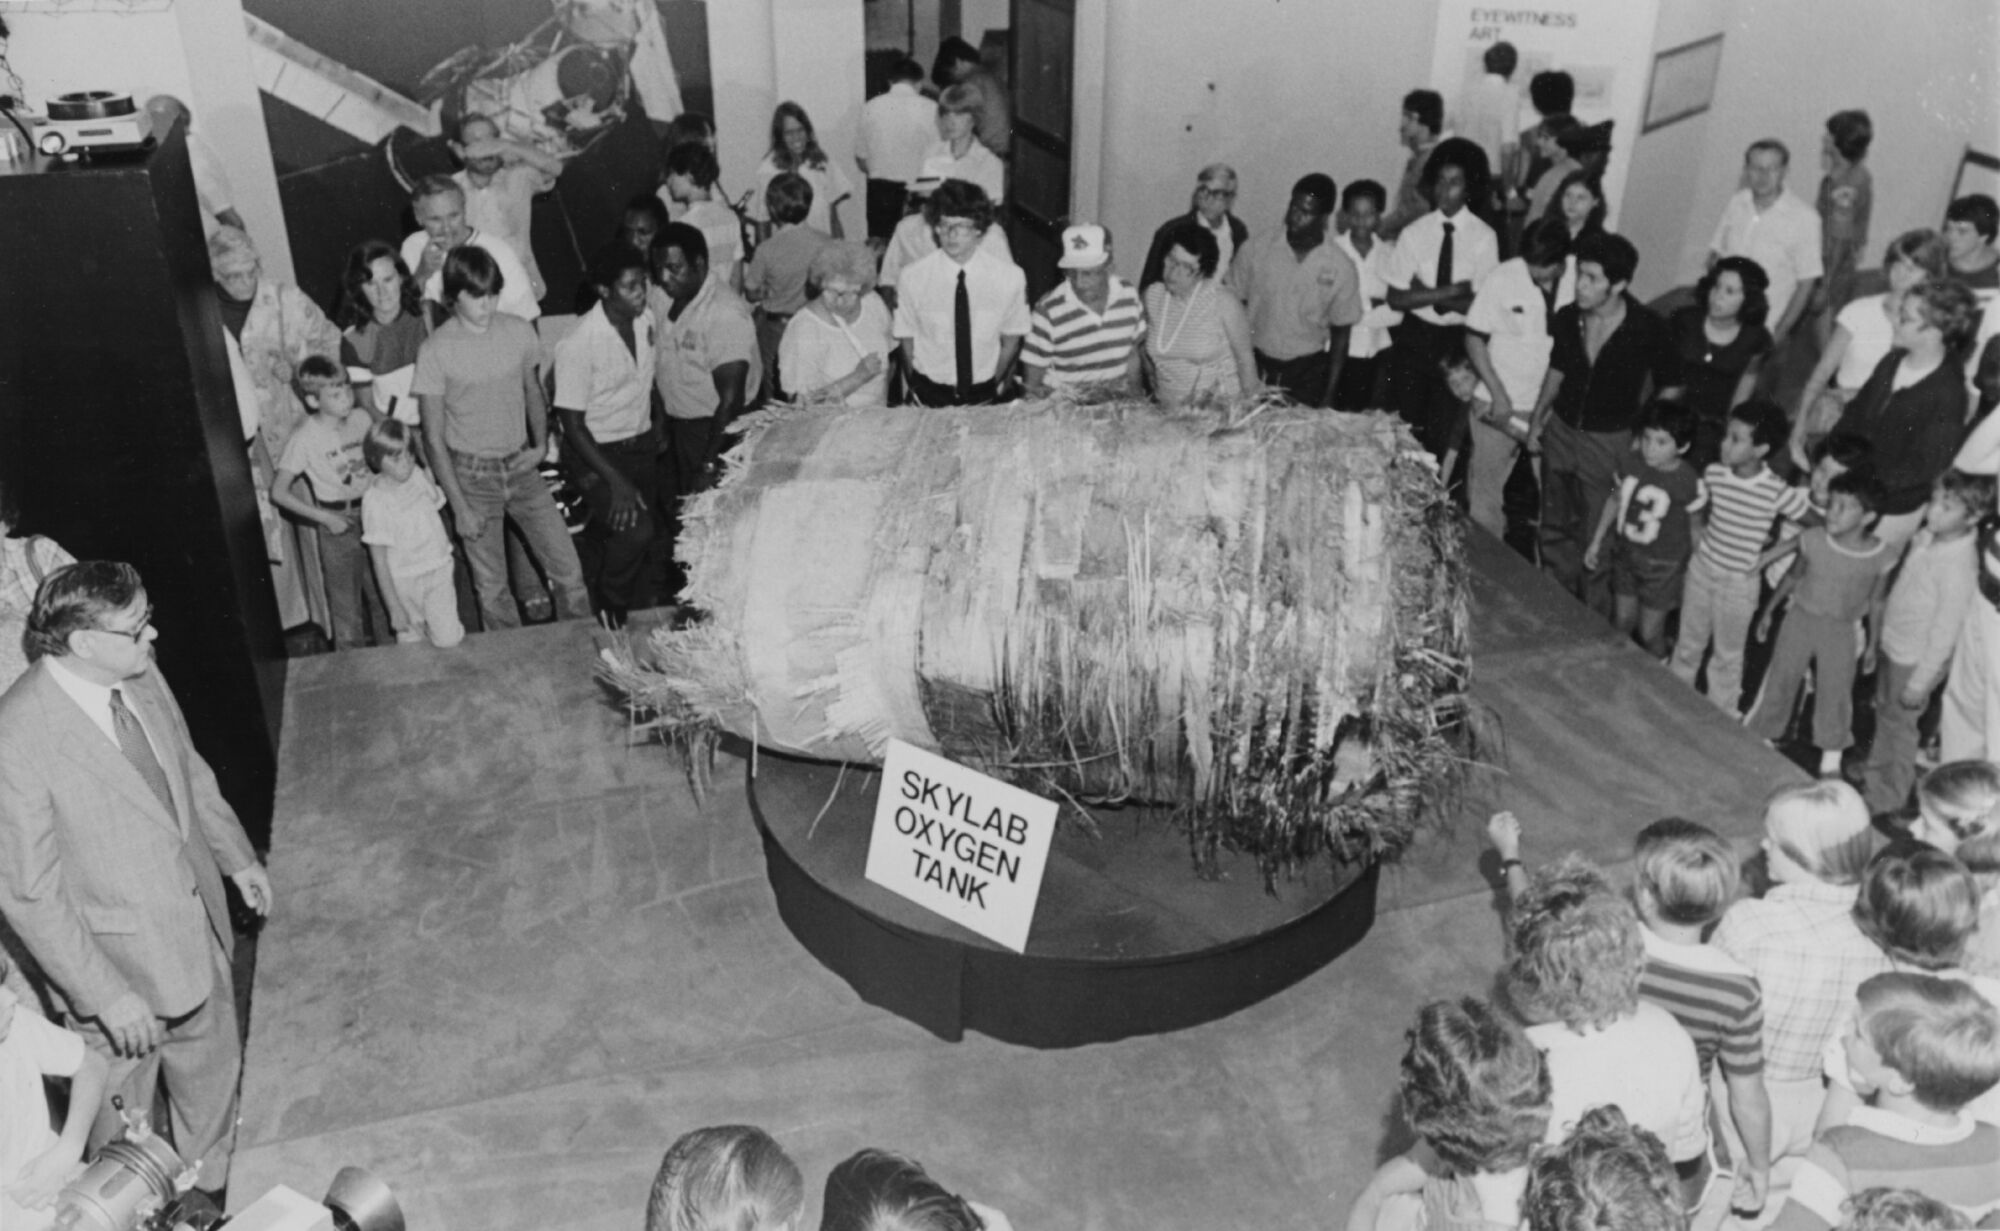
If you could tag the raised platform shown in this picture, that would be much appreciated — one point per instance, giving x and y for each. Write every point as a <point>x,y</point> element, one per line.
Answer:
<point>513,958</point>
<point>1126,939</point>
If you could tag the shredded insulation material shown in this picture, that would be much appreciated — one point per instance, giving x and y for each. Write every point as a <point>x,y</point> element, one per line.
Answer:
<point>1254,616</point>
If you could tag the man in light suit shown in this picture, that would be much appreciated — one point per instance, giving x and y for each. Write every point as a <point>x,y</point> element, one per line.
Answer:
<point>113,843</point>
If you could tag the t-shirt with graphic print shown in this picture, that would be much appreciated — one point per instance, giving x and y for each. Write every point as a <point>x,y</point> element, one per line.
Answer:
<point>328,454</point>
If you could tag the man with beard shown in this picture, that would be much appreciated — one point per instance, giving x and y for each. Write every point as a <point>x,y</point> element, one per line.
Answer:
<point>1303,296</point>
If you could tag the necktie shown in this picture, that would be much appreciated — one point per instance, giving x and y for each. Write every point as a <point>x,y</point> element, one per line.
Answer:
<point>138,750</point>
<point>1444,258</point>
<point>961,336</point>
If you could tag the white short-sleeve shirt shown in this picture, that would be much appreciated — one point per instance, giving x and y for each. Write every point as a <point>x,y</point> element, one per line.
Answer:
<point>1644,1064</point>
<point>612,384</point>
<point>1371,336</point>
<point>1784,240</point>
<point>980,166</point>
<point>829,185</point>
<point>1475,253</point>
<point>1510,311</point>
<point>998,295</point>
<point>517,291</point>
<point>898,128</point>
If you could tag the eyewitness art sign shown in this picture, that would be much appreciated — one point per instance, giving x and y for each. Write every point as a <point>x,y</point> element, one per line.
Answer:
<point>957,842</point>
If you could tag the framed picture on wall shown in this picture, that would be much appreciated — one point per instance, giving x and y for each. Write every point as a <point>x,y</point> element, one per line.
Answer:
<point>1683,82</point>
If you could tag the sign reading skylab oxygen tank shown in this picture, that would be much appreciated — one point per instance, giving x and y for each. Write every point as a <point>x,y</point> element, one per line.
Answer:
<point>952,840</point>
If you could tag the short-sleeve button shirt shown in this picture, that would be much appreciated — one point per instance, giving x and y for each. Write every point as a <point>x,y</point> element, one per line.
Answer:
<point>714,329</point>
<point>1784,240</point>
<point>611,383</point>
<point>997,292</point>
<point>1475,253</point>
<point>1295,301</point>
<point>1512,314</point>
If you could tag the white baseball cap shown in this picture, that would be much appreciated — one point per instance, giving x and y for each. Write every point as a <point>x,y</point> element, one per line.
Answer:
<point>1084,247</point>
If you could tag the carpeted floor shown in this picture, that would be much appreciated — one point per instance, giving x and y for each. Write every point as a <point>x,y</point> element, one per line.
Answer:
<point>514,958</point>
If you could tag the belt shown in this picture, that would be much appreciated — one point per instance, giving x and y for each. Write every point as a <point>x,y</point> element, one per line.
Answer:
<point>483,461</point>
<point>339,506</point>
<point>938,393</point>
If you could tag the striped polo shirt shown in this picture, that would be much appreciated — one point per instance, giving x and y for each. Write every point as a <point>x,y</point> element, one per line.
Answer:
<point>1077,346</point>
<point>1957,1164</point>
<point>1740,513</point>
<point>1714,997</point>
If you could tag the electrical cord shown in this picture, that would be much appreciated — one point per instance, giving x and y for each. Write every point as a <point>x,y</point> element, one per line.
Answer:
<point>7,105</point>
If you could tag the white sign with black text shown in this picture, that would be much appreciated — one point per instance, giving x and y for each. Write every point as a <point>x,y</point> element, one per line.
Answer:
<point>952,840</point>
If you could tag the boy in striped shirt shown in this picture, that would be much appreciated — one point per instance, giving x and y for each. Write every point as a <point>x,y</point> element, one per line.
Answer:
<point>1087,331</point>
<point>1920,1049</point>
<point>1719,601</point>
<point>1685,876</point>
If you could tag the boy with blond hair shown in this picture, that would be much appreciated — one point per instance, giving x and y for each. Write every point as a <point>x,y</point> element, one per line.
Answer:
<point>1920,1049</point>
<point>406,539</point>
<point>1684,878</point>
<point>326,452</point>
<point>1801,942</point>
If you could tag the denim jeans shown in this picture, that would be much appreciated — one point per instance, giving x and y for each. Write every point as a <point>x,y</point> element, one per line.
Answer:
<point>352,601</point>
<point>1717,610</point>
<point>499,488</point>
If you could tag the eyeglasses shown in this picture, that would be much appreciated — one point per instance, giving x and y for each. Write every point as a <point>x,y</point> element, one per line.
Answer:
<point>957,228</point>
<point>1218,194</point>
<point>135,634</point>
<point>1180,266</point>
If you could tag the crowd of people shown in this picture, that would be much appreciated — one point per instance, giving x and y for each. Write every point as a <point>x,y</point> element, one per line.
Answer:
<point>433,459</point>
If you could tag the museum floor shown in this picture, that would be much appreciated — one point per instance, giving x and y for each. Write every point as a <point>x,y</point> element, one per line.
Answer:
<point>514,958</point>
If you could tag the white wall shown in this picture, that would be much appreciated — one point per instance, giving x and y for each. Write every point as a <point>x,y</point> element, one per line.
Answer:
<point>762,52</point>
<point>821,65</point>
<point>742,63</point>
<point>976,17</point>
<point>195,51</point>
<point>1276,88</point>
<point>1660,194</point>
<point>1928,74</point>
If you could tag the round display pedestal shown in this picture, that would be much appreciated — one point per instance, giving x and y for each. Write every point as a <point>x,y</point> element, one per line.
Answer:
<point>1127,940</point>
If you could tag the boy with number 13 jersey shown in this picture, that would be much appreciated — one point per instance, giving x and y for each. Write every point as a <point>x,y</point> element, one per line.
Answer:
<point>1652,508</point>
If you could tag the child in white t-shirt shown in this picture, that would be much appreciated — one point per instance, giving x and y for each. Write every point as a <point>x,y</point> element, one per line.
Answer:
<point>34,1159</point>
<point>406,540</point>
<point>326,452</point>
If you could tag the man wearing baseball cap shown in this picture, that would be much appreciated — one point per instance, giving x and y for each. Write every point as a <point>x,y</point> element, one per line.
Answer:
<point>1087,331</point>
<point>1303,296</point>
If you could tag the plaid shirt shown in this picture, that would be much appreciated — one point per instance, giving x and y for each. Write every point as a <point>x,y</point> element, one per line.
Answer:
<point>1801,942</point>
